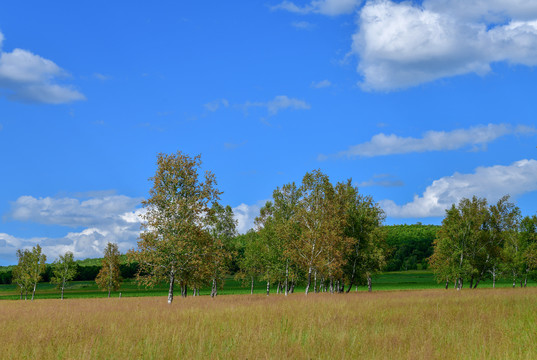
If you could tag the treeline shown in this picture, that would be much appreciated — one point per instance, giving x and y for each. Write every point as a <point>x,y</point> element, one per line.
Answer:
<point>478,241</point>
<point>32,269</point>
<point>85,270</point>
<point>408,248</point>
<point>326,236</point>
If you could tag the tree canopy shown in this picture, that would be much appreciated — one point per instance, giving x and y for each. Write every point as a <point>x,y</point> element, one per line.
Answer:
<point>176,240</point>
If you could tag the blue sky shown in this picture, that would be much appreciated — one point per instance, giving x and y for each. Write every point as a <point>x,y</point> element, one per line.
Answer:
<point>420,103</point>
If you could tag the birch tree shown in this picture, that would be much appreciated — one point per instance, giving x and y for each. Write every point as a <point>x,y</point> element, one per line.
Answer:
<point>36,266</point>
<point>22,272</point>
<point>459,238</point>
<point>362,229</point>
<point>64,269</point>
<point>175,240</point>
<point>470,241</point>
<point>223,229</point>
<point>109,278</point>
<point>268,250</point>
<point>251,263</point>
<point>286,230</point>
<point>319,224</point>
<point>528,241</point>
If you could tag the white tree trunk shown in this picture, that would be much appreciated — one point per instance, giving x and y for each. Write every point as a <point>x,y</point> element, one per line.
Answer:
<point>459,284</point>
<point>252,287</point>
<point>170,291</point>
<point>309,280</point>
<point>287,278</point>
<point>268,287</point>
<point>214,290</point>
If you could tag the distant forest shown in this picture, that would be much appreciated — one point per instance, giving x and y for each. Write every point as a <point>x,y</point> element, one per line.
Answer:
<point>409,246</point>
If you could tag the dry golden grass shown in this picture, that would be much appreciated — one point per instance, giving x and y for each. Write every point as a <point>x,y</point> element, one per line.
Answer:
<point>432,324</point>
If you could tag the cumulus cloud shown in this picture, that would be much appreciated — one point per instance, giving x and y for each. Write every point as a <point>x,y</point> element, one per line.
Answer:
<point>7,243</point>
<point>493,11</point>
<point>324,7</point>
<point>489,182</point>
<point>400,45</point>
<point>382,144</point>
<point>95,222</point>
<point>27,77</point>
<point>71,212</point>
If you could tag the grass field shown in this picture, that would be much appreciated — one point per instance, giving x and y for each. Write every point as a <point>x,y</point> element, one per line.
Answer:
<point>426,324</point>
<point>404,280</point>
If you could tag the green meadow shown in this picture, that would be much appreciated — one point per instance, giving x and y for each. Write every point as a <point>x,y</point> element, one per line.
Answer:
<point>398,280</point>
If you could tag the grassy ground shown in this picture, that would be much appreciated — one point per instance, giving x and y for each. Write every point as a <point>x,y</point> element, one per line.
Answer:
<point>404,280</point>
<point>426,324</point>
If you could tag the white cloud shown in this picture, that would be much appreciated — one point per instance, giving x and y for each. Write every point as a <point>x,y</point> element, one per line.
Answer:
<point>103,219</point>
<point>216,104</point>
<point>324,7</point>
<point>7,241</point>
<point>489,10</point>
<point>382,144</point>
<point>403,44</point>
<point>71,212</point>
<point>303,25</point>
<point>280,102</point>
<point>246,214</point>
<point>101,77</point>
<point>488,182</point>
<point>321,84</point>
<point>232,146</point>
<point>30,78</point>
